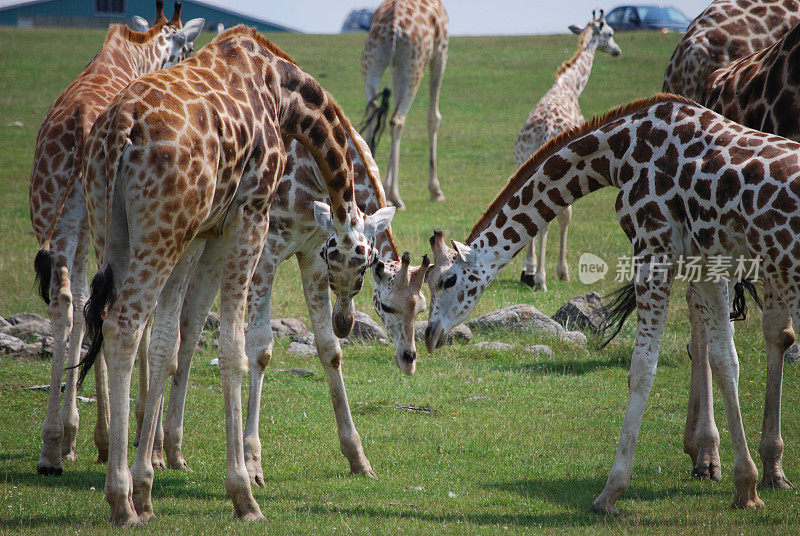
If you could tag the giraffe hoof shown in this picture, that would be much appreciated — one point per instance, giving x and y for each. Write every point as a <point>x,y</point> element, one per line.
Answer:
<point>50,470</point>
<point>526,279</point>
<point>437,197</point>
<point>707,472</point>
<point>775,481</point>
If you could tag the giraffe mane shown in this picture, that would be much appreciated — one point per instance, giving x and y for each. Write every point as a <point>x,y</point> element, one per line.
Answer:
<point>548,149</point>
<point>252,33</point>
<point>133,36</point>
<point>568,63</point>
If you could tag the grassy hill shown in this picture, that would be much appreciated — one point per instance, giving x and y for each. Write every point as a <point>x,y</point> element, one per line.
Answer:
<point>533,453</point>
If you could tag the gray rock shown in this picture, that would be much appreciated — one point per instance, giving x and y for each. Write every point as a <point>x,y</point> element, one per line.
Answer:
<point>214,362</point>
<point>289,327</point>
<point>792,354</point>
<point>460,333</point>
<point>573,337</point>
<point>476,398</point>
<point>44,387</point>
<point>295,371</point>
<point>298,348</point>
<point>540,349</point>
<point>12,346</point>
<point>212,322</point>
<point>21,318</point>
<point>493,345</point>
<point>521,317</point>
<point>4,323</point>
<point>31,330</point>
<point>306,339</point>
<point>581,312</point>
<point>367,329</point>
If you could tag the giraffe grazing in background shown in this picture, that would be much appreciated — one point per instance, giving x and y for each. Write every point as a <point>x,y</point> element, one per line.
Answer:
<point>759,91</point>
<point>184,163</point>
<point>58,213</point>
<point>294,232</point>
<point>692,183</point>
<point>405,35</point>
<point>725,31</point>
<point>558,110</point>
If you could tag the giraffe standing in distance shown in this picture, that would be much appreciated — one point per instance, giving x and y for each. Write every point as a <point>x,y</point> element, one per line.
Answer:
<point>184,163</point>
<point>405,35</point>
<point>759,91</point>
<point>692,183</point>
<point>294,232</point>
<point>58,212</point>
<point>559,110</point>
<point>726,30</point>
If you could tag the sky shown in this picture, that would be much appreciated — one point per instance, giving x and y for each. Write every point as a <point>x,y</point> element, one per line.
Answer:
<point>467,17</point>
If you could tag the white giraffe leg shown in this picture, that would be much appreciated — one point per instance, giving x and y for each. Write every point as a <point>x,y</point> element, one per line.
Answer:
<point>438,63</point>
<point>778,336</point>
<point>157,457</point>
<point>529,266</point>
<point>315,288</point>
<point>372,85</point>
<point>101,427</point>
<point>540,276</point>
<point>713,300</point>
<point>701,437</point>
<point>259,352</point>
<point>203,288</point>
<point>60,311</point>
<point>652,299</point>
<point>162,357</point>
<point>564,217</point>
<point>144,381</point>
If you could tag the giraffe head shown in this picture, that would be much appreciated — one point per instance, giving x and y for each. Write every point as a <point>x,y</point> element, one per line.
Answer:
<point>599,33</point>
<point>348,252</point>
<point>398,299</point>
<point>178,39</point>
<point>457,281</point>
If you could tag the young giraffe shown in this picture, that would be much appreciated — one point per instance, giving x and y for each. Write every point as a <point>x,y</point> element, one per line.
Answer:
<point>760,92</point>
<point>58,212</point>
<point>195,151</point>
<point>557,111</point>
<point>692,183</point>
<point>406,35</point>
<point>294,232</point>
<point>725,31</point>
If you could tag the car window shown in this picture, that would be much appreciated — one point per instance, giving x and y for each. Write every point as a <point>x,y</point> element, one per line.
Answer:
<point>630,15</point>
<point>614,17</point>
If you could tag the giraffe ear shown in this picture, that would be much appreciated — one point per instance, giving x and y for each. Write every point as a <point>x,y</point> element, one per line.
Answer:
<point>193,28</point>
<point>577,30</point>
<point>139,24</point>
<point>378,222</point>
<point>322,215</point>
<point>463,251</point>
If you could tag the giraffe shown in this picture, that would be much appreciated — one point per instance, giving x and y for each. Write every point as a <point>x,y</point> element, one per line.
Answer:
<point>557,111</point>
<point>406,35</point>
<point>58,213</point>
<point>293,232</point>
<point>692,183</point>
<point>183,164</point>
<point>724,31</point>
<point>758,91</point>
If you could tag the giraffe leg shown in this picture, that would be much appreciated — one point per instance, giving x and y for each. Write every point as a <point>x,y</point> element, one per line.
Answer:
<point>144,381</point>
<point>101,427</point>
<point>652,298</point>
<point>701,437</point>
<point>259,352</point>
<point>158,441</point>
<point>562,270</point>
<point>713,299</point>
<point>438,63</point>
<point>529,268</point>
<point>540,277</point>
<point>315,288</point>
<point>162,356</point>
<point>373,71</point>
<point>202,290</point>
<point>778,336</point>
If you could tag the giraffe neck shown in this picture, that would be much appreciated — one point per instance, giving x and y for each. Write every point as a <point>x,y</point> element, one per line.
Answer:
<point>574,73</point>
<point>124,50</point>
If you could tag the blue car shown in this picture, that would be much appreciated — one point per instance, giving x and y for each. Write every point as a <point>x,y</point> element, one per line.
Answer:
<point>658,18</point>
<point>358,20</point>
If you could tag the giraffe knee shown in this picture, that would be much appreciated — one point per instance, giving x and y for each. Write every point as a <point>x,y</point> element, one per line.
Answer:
<point>397,122</point>
<point>786,338</point>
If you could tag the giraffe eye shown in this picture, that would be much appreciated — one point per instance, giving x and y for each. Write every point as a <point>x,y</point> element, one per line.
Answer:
<point>388,309</point>
<point>449,282</point>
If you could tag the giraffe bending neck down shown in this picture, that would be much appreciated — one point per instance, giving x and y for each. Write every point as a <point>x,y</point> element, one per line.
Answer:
<point>406,35</point>
<point>58,213</point>
<point>692,183</point>
<point>293,232</point>
<point>557,111</point>
<point>185,163</point>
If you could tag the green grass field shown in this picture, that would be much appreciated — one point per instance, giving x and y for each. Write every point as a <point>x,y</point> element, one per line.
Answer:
<point>532,454</point>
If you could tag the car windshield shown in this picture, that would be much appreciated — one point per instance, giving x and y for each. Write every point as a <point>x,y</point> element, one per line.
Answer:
<point>661,14</point>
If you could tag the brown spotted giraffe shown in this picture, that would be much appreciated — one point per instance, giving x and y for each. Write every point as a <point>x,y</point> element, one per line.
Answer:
<point>405,35</point>
<point>759,91</point>
<point>725,31</point>
<point>58,212</point>
<point>182,164</point>
<point>293,232</point>
<point>559,110</point>
<point>692,183</point>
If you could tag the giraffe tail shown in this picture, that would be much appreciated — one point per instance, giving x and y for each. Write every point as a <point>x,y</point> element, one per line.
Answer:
<point>622,304</point>
<point>375,118</point>
<point>739,305</point>
<point>43,265</point>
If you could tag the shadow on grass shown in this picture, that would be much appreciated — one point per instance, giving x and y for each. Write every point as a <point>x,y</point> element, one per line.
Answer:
<point>568,367</point>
